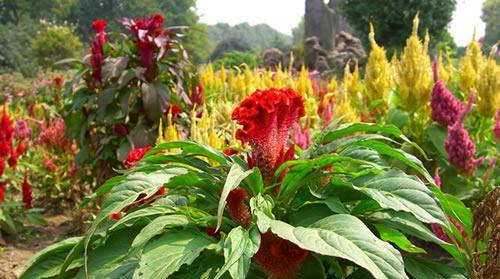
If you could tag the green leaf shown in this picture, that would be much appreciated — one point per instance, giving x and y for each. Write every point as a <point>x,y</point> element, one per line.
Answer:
<point>342,142</point>
<point>108,257</point>
<point>6,223</point>
<point>312,268</point>
<point>453,207</point>
<point>346,237</point>
<point>127,191</point>
<point>423,269</point>
<point>362,127</point>
<point>157,226</point>
<point>193,148</point>
<point>165,255</point>
<point>396,237</point>
<point>438,135</point>
<point>398,191</point>
<point>48,262</point>
<point>131,217</point>
<point>234,178</point>
<point>239,248</point>
<point>204,267</point>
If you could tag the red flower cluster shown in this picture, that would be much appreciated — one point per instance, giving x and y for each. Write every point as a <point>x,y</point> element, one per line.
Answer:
<point>150,38</point>
<point>96,47</point>
<point>267,117</point>
<point>52,137</point>
<point>7,150</point>
<point>278,257</point>
<point>237,208</point>
<point>446,108</point>
<point>175,110</point>
<point>27,193</point>
<point>459,146</point>
<point>49,164</point>
<point>135,156</point>
<point>2,191</point>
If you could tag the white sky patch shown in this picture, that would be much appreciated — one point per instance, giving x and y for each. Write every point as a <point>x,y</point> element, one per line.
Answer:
<point>283,15</point>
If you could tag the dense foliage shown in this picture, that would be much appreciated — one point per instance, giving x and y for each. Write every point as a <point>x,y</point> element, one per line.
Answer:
<point>392,20</point>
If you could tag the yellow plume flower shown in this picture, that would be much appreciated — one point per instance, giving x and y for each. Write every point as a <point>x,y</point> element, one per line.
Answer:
<point>351,81</point>
<point>378,71</point>
<point>470,65</point>
<point>343,108</point>
<point>414,73</point>
<point>488,86</point>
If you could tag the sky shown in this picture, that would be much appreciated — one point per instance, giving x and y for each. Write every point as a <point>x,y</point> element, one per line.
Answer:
<point>283,15</point>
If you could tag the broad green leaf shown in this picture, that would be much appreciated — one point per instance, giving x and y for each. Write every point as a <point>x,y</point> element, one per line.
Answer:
<point>406,158</point>
<point>234,178</point>
<point>48,262</point>
<point>6,223</point>
<point>312,268</point>
<point>438,135</point>
<point>363,153</point>
<point>264,204</point>
<point>204,267</point>
<point>456,209</point>
<point>165,255</point>
<point>142,213</point>
<point>398,191</point>
<point>239,248</point>
<point>156,227</point>
<point>346,237</point>
<point>193,148</point>
<point>361,127</point>
<point>155,97</point>
<point>391,235</point>
<point>342,142</point>
<point>420,268</point>
<point>127,191</point>
<point>106,258</point>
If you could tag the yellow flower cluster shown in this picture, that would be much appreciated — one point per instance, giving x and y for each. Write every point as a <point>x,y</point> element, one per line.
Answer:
<point>378,72</point>
<point>470,66</point>
<point>488,86</point>
<point>414,73</point>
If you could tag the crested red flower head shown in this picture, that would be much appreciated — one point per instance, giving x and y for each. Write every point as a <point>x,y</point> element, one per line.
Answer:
<point>237,208</point>
<point>99,25</point>
<point>27,193</point>
<point>135,156</point>
<point>2,191</point>
<point>267,117</point>
<point>279,258</point>
<point>6,134</point>
<point>459,146</point>
<point>175,110</point>
<point>446,108</point>
<point>155,21</point>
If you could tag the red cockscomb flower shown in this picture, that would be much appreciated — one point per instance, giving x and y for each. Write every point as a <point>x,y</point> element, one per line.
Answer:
<point>279,258</point>
<point>27,193</point>
<point>49,164</point>
<point>96,47</point>
<point>267,116</point>
<point>2,191</point>
<point>13,159</point>
<point>175,110</point>
<point>2,167</point>
<point>459,146</point>
<point>135,156</point>
<point>6,134</point>
<point>237,208</point>
<point>58,82</point>
<point>446,108</point>
<point>52,136</point>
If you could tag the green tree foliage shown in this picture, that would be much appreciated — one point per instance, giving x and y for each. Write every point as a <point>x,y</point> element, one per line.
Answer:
<point>242,37</point>
<point>298,32</point>
<point>55,43</point>
<point>491,16</point>
<point>236,58</point>
<point>14,40</point>
<point>13,10</point>
<point>392,20</point>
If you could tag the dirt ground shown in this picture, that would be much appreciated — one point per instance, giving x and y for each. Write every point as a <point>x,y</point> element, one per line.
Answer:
<point>15,251</point>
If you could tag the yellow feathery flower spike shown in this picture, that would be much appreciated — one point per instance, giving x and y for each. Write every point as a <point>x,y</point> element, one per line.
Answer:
<point>378,71</point>
<point>343,108</point>
<point>470,65</point>
<point>351,81</point>
<point>414,73</point>
<point>488,86</point>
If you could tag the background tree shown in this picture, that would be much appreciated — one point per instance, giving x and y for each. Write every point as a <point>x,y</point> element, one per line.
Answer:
<point>392,20</point>
<point>491,16</point>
